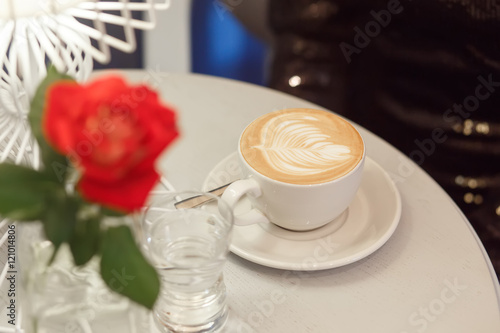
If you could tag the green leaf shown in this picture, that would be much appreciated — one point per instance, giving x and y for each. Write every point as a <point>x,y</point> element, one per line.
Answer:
<point>125,270</point>
<point>60,217</point>
<point>112,213</point>
<point>85,241</point>
<point>54,162</point>
<point>23,191</point>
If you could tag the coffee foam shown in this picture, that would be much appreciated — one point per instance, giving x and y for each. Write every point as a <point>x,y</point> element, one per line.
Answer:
<point>302,146</point>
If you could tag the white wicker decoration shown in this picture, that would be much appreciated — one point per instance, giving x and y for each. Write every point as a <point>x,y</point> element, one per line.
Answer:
<point>34,33</point>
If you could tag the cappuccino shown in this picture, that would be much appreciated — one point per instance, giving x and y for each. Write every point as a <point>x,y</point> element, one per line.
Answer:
<point>302,146</point>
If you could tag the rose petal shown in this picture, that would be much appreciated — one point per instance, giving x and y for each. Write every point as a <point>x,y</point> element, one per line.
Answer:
<point>59,112</point>
<point>106,89</point>
<point>128,195</point>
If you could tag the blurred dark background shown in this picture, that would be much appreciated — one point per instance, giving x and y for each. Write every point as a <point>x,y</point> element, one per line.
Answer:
<point>220,46</point>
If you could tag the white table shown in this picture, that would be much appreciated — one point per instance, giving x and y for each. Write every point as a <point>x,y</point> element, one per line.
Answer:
<point>431,276</point>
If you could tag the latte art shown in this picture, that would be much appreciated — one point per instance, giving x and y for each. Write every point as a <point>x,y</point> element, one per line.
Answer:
<point>301,146</point>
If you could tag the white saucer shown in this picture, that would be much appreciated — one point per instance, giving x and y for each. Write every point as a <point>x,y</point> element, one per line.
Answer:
<point>362,229</point>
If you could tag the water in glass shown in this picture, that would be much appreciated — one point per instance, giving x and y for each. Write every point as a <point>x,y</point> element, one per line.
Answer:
<point>189,248</point>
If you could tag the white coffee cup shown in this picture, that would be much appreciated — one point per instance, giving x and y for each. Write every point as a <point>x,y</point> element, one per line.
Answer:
<point>306,169</point>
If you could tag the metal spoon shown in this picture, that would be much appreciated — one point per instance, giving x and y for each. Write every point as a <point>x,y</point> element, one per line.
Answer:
<point>200,199</point>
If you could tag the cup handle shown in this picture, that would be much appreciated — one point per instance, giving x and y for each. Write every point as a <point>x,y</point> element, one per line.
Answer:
<point>234,193</point>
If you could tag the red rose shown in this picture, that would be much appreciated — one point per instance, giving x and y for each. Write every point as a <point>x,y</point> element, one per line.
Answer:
<point>113,133</point>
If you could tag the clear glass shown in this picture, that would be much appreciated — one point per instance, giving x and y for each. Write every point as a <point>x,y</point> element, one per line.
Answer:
<point>189,247</point>
<point>64,298</point>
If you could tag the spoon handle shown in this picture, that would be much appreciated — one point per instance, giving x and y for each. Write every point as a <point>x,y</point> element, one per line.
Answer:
<point>200,199</point>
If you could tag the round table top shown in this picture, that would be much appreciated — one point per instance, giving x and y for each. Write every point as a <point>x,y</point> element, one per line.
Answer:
<point>432,275</point>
